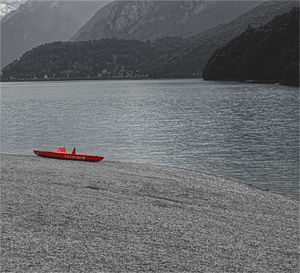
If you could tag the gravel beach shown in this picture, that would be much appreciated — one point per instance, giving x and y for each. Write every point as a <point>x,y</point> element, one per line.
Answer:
<point>69,216</point>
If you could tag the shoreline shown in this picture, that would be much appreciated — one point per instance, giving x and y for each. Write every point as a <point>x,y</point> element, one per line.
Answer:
<point>72,216</point>
<point>220,176</point>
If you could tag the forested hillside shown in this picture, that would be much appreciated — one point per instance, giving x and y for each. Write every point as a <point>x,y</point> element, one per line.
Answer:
<point>192,58</point>
<point>106,58</point>
<point>269,53</point>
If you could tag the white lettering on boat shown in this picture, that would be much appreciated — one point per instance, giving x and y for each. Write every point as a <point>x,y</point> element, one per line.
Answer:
<point>74,157</point>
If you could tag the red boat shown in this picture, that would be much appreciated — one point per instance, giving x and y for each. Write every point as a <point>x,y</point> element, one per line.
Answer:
<point>62,153</point>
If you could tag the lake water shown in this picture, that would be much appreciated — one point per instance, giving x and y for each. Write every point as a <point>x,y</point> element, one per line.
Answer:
<point>248,132</point>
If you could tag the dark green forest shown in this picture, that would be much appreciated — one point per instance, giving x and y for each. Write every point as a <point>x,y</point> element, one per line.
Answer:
<point>97,59</point>
<point>266,54</point>
<point>80,60</point>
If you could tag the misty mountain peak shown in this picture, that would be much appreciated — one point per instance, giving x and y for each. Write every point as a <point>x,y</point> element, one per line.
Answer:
<point>151,20</point>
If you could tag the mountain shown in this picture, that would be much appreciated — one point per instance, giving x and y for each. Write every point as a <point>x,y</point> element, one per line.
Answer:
<point>190,59</point>
<point>7,6</point>
<point>173,57</point>
<point>151,20</point>
<point>37,22</point>
<point>269,53</point>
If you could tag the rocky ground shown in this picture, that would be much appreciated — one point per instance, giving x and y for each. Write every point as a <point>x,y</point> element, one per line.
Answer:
<point>68,216</point>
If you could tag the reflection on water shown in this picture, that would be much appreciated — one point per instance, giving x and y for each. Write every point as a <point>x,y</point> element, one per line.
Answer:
<point>248,132</point>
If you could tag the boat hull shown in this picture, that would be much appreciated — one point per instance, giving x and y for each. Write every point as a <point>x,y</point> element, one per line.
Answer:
<point>69,156</point>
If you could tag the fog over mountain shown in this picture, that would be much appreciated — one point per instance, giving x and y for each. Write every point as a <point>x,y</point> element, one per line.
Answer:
<point>151,20</point>
<point>37,22</point>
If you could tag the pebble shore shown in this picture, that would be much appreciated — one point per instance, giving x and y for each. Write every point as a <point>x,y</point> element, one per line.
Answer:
<point>71,216</point>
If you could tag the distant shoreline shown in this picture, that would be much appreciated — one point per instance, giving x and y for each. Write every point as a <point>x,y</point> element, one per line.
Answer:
<point>163,78</point>
<point>98,79</point>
